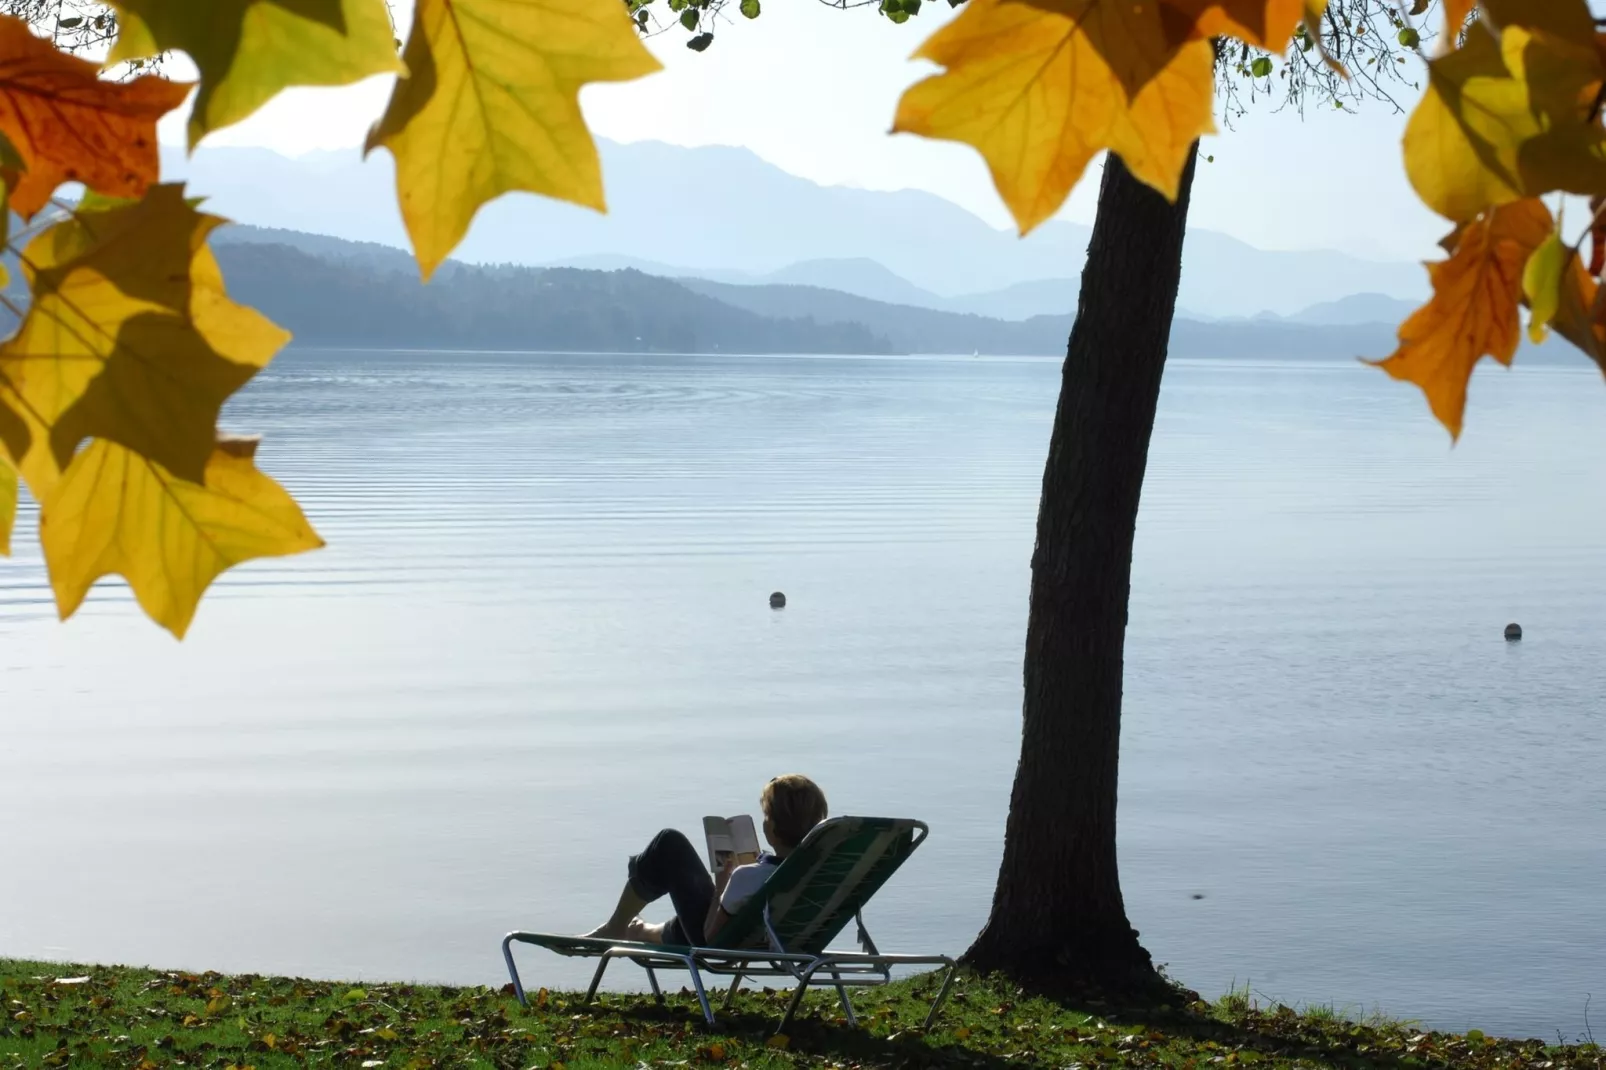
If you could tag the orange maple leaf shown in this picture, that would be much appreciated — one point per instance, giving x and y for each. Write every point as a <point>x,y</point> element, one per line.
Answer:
<point>1134,39</point>
<point>1473,310</point>
<point>1267,24</point>
<point>1455,17</point>
<point>1121,30</point>
<point>70,125</point>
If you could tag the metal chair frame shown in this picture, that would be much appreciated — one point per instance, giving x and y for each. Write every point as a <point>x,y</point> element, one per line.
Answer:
<point>839,969</point>
<point>846,969</point>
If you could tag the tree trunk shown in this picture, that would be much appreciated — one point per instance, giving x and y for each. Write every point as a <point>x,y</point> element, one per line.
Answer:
<point>1058,919</point>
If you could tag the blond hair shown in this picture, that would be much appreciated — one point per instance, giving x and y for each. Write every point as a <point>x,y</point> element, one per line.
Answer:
<point>794,804</point>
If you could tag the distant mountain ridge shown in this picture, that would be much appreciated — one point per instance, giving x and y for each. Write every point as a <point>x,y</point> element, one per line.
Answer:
<point>860,276</point>
<point>335,293</point>
<point>1357,308</point>
<point>1026,299</point>
<point>753,219</point>
<point>373,255</point>
<point>350,301</point>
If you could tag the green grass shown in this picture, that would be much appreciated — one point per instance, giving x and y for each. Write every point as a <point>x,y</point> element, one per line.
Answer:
<point>138,1019</point>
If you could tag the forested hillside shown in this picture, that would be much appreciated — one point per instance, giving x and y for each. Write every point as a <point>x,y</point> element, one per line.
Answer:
<point>345,302</point>
<point>336,293</point>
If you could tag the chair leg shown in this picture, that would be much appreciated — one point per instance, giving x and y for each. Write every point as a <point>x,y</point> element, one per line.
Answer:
<point>796,1002</point>
<point>942,995</point>
<point>596,979</point>
<point>847,1004</point>
<point>652,979</point>
<point>513,970</point>
<point>730,994</point>
<point>806,978</point>
<point>702,996</point>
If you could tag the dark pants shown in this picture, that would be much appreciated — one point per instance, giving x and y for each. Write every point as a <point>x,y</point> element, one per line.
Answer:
<point>671,866</point>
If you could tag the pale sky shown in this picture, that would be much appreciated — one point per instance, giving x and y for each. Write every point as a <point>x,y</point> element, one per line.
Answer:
<point>812,90</point>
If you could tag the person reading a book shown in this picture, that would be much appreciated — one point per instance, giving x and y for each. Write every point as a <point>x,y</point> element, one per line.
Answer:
<point>792,805</point>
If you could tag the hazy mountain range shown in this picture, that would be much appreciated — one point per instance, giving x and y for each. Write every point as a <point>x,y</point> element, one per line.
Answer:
<point>338,293</point>
<point>867,278</point>
<point>344,301</point>
<point>724,215</point>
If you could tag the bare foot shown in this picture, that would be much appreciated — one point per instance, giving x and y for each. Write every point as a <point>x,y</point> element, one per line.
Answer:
<point>644,932</point>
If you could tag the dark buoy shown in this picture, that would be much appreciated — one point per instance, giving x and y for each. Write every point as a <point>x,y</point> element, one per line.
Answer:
<point>777,600</point>
<point>1513,630</point>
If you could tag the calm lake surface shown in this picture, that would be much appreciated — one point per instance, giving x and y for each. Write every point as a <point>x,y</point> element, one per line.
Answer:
<point>541,632</point>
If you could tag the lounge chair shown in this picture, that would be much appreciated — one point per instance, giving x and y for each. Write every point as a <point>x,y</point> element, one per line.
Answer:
<point>784,929</point>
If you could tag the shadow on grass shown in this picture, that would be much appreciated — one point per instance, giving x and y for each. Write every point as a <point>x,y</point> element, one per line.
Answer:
<point>1289,1036</point>
<point>814,1034</point>
<point>978,1030</point>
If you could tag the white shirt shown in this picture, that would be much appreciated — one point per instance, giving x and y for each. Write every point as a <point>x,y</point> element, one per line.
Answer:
<point>745,882</point>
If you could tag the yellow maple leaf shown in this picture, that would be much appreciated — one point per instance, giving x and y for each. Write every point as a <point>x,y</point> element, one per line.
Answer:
<point>1454,169</point>
<point>1473,312</point>
<point>490,104</point>
<point>249,50</point>
<point>1510,116</point>
<point>13,430</point>
<point>1542,281</point>
<point>114,512</point>
<point>1031,90</point>
<point>1565,298</point>
<point>129,337</point>
<point>8,504</point>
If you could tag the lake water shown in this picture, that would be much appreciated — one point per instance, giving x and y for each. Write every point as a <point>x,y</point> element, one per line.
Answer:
<point>541,632</point>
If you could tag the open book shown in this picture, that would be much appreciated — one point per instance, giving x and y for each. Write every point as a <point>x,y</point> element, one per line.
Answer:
<point>728,837</point>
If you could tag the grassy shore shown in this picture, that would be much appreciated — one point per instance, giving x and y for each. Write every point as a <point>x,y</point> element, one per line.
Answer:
<point>137,1019</point>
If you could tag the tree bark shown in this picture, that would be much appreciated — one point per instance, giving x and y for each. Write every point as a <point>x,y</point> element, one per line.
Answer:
<point>1058,919</point>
